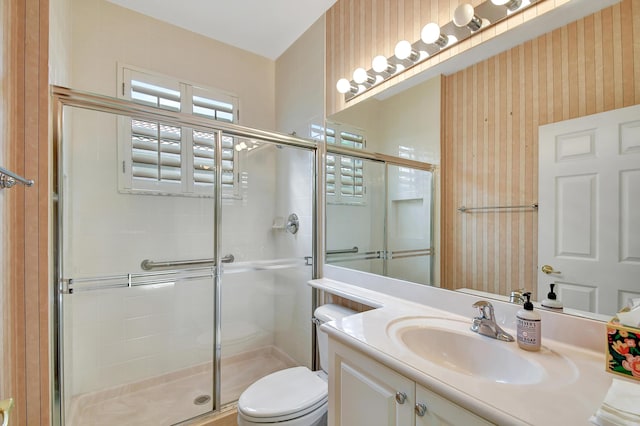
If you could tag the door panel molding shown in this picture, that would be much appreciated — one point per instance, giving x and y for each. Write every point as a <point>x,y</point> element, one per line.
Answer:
<point>589,209</point>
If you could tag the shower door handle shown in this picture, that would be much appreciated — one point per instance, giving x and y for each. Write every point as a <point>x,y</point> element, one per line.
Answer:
<point>228,259</point>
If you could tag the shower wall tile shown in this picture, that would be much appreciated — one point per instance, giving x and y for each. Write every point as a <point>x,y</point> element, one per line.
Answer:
<point>139,306</point>
<point>127,334</point>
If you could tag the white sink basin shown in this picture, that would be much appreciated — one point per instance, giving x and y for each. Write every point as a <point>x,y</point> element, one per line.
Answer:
<point>449,343</point>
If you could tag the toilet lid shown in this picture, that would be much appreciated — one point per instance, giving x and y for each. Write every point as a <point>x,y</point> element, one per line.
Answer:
<point>286,393</point>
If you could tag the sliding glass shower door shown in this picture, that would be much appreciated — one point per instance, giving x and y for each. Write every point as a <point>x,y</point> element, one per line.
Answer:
<point>137,292</point>
<point>183,251</point>
<point>267,229</point>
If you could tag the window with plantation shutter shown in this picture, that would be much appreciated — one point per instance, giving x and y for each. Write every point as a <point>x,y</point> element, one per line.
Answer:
<point>162,158</point>
<point>345,174</point>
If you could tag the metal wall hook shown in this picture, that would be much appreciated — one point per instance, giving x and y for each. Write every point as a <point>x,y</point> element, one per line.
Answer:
<point>8,179</point>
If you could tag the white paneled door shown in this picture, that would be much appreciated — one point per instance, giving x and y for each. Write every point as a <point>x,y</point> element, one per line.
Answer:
<point>589,210</point>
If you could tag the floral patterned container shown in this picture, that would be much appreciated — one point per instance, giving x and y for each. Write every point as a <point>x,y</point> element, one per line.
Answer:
<point>623,350</point>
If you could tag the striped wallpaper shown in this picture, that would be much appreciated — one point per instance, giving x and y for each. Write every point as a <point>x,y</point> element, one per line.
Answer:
<point>358,30</point>
<point>492,111</point>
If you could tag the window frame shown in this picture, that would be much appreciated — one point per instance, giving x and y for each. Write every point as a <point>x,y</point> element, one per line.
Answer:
<point>187,186</point>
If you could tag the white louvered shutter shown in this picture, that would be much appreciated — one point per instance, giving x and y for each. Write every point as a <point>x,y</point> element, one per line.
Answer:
<point>159,151</point>
<point>344,174</point>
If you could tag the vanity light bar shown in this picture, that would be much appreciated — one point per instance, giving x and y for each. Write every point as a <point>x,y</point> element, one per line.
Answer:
<point>466,21</point>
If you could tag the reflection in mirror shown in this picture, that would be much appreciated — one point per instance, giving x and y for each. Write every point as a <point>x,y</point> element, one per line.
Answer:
<point>490,133</point>
<point>355,223</point>
<point>409,224</point>
<point>385,225</point>
<point>393,224</point>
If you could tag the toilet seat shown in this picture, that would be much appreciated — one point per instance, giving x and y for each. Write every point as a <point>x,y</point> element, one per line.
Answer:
<point>283,395</point>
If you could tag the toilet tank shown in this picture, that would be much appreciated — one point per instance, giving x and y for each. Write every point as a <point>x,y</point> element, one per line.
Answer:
<point>324,314</point>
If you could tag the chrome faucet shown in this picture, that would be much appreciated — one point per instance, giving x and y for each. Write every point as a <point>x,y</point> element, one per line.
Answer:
<point>517,296</point>
<point>485,324</point>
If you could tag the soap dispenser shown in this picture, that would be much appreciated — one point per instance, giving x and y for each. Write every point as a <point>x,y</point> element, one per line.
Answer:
<point>551,302</point>
<point>528,326</point>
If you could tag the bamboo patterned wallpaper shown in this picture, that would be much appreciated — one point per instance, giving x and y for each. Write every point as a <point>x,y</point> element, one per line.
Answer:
<point>490,138</point>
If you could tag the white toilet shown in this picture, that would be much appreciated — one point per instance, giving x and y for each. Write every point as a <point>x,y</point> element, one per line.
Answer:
<point>296,396</point>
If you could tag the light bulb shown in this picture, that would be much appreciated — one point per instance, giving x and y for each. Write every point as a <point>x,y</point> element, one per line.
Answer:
<point>360,76</point>
<point>464,16</point>
<point>404,51</point>
<point>343,85</point>
<point>380,64</point>
<point>431,34</point>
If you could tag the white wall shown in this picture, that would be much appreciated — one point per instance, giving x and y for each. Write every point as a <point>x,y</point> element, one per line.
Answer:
<point>408,121</point>
<point>411,119</point>
<point>300,83</point>
<point>105,34</point>
<point>60,42</point>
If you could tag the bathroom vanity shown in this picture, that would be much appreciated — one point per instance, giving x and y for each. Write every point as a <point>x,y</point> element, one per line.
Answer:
<point>407,363</point>
<point>365,392</point>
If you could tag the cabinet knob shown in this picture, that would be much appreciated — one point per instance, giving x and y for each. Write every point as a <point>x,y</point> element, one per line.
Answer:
<point>421,409</point>
<point>401,397</point>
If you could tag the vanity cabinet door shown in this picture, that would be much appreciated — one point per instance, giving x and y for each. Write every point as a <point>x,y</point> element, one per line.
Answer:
<point>438,411</point>
<point>365,393</point>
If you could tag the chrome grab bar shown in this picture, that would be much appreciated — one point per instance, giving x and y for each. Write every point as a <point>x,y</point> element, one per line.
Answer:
<point>463,209</point>
<point>147,264</point>
<point>8,179</point>
<point>379,254</point>
<point>351,250</point>
<point>400,254</point>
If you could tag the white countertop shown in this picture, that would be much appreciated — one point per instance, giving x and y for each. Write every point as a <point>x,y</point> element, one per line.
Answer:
<point>572,388</point>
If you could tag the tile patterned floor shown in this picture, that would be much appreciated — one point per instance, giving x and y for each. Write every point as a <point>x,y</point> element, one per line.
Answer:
<point>169,399</point>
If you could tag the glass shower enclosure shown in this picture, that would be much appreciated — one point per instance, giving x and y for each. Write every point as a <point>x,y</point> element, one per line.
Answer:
<point>180,260</point>
<point>384,227</point>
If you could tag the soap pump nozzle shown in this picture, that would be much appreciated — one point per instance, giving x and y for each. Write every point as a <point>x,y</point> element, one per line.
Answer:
<point>552,302</point>
<point>551,295</point>
<point>528,306</point>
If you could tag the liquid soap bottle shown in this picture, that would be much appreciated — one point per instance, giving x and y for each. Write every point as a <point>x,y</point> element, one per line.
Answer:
<point>528,326</point>
<point>552,302</point>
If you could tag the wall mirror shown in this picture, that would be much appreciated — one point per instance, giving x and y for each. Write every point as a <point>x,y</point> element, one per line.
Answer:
<point>405,121</point>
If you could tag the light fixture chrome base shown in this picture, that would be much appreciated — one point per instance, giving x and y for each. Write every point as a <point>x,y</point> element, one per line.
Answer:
<point>486,15</point>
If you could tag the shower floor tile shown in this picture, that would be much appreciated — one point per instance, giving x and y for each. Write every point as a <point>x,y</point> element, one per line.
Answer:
<point>170,399</point>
